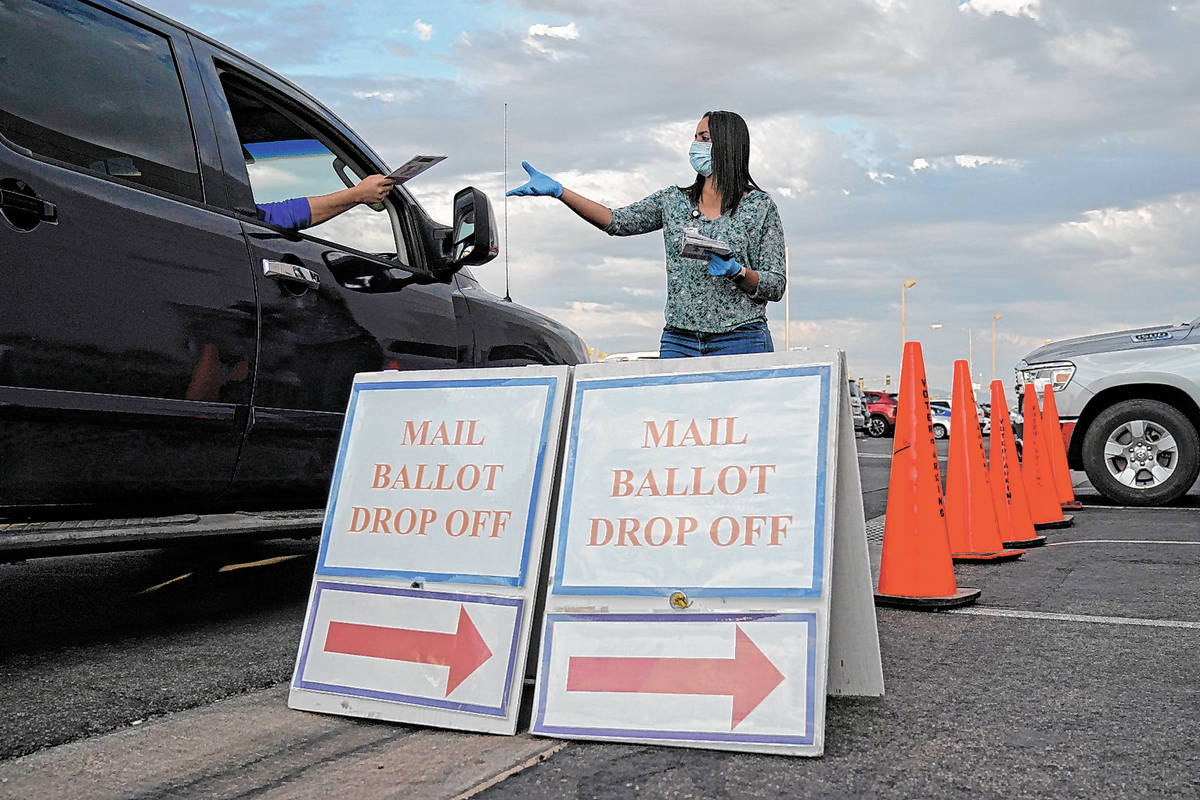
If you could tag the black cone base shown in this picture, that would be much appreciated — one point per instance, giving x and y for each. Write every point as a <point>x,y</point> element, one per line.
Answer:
<point>962,597</point>
<point>987,558</point>
<point>1067,521</point>
<point>1036,541</point>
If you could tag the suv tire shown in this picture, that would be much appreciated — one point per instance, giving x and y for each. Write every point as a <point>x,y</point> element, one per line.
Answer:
<point>877,426</point>
<point>1130,430</point>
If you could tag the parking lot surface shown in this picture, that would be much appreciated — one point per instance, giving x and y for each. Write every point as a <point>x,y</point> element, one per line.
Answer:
<point>1074,676</point>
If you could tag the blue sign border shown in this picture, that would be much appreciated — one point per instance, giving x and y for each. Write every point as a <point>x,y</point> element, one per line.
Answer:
<point>551,385</point>
<point>540,726</point>
<point>448,705</point>
<point>585,385</point>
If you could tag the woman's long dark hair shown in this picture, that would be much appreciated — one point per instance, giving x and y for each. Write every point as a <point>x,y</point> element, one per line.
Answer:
<point>730,160</point>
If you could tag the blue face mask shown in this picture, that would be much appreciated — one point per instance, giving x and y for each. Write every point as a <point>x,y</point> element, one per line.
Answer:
<point>700,154</point>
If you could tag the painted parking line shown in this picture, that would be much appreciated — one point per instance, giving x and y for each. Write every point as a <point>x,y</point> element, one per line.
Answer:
<point>1124,541</point>
<point>887,456</point>
<point>1102,507</point>
<point>1087,618</point>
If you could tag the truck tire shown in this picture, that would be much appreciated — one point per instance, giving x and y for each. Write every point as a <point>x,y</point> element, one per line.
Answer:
<point>1141,453</point>
<point>877,426</point>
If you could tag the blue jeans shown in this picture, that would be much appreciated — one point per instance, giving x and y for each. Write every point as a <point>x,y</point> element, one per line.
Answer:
<point>753,337</point>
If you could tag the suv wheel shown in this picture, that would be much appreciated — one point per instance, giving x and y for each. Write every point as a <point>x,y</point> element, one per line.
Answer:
<point>940,431</point>
<point>877,426</point>
<point>1141,452</point>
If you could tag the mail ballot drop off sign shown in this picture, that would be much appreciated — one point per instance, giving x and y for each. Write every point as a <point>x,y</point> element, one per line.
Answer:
<point>706,506</point>
<point>428,569</point>
<point>439,482</point>
<point>708,483</point>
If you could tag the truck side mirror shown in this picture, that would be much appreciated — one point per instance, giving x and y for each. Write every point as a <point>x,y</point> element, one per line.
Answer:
<point>474,240</point>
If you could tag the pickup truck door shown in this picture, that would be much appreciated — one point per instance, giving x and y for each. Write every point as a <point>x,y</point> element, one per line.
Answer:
<point>127,336</point>
<point>341,298</point>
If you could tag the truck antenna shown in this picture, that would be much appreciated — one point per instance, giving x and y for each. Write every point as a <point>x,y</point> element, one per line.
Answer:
<point>504,188</point>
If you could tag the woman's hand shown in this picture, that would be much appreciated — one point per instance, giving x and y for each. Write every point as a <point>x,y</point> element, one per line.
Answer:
<point>538,185</point>
<point>718,266</point>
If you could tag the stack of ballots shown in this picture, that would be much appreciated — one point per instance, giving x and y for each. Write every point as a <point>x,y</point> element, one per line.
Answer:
<point>696,245</point>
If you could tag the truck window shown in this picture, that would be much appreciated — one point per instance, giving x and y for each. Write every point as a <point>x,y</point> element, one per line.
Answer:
<point>287,158</point>
<point>93,90</point>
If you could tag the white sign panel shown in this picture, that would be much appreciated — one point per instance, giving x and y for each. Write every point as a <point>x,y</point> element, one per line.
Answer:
<point>691,482</point>
<point>434,649</point>
<point>430,557</point>
<point>441,485</point>
<point>690,596</point>
<point>699,679</point>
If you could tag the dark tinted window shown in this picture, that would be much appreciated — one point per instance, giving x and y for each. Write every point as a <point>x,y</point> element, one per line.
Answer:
<point>83,86</point>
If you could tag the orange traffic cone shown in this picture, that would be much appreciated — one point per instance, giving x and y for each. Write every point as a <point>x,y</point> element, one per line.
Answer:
<point>970,513</point>
<point>916,570</point>
<point>1058,451</point>
<point>1008,487</point>
<point>1037,471</point>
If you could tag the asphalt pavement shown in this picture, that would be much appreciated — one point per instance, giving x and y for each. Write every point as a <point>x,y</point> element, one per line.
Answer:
<point>1074,676</point>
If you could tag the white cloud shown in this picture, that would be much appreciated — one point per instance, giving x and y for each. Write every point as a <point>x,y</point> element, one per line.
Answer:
<point>919,164</point>
<point>386,97</point>
<point>1012,8</point>
<point>424,30</point>
<point>568,31</point>
<point>1111,53</point>
<point>974,162</point>
<point>541,38</point>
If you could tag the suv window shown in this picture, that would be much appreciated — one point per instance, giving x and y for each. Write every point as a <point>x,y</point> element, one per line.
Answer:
<point>95,91</point>
<point>287,158</point>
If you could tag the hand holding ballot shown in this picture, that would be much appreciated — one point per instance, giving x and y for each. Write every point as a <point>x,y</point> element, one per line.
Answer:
<point>373,188</point>
<point>693,244</point>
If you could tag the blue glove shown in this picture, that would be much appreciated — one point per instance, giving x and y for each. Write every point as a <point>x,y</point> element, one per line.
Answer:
<point>718,266</point>
<point>539,185</point>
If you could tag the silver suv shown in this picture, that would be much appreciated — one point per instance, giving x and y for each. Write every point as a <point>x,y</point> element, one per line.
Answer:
<point>1129,402</point>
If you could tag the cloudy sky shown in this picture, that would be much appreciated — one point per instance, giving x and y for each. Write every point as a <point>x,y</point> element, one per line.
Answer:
<point>1031,158</point>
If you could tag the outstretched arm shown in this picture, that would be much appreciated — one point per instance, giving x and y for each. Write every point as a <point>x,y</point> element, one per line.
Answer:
<point>542,185</point>
<point>371,189</point>
<point>593,212</point>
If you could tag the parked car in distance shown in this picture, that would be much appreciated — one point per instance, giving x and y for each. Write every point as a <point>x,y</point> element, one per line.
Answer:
<point>941,418</point>
<point>881,413</point>
<point>1129,404</point>
<point>165,350</point>
<point>858,407</point>
<point>640,355</point>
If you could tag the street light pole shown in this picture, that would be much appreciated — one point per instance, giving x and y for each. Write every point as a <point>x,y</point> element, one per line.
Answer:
<point>908,284</point>
<point>787,300</point>
<point>994,318</point>
<point>970,354</point>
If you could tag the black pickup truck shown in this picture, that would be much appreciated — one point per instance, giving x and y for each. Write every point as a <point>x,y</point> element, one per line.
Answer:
<point>167,358</point>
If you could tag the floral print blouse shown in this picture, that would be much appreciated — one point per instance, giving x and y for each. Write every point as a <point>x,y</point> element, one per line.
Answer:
<point>697,301</point>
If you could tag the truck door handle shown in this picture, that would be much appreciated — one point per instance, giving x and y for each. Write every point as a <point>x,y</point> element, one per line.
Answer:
<point>283,271</point>
<point>24,208</point>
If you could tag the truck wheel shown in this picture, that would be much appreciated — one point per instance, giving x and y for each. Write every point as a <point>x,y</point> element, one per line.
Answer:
<point>940,431</point>
<point>877,426</point>
<point>1141,453</point>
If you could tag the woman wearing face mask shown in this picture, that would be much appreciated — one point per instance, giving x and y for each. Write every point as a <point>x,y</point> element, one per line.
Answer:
<point>718,308</point>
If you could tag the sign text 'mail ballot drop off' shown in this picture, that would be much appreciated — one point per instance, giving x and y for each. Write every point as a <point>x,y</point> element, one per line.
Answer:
<point>429,564</point>
<point>660,489</point>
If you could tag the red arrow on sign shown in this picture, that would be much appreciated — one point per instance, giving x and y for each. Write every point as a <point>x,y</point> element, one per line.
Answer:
<point>463,651</point>
<point>748,677</point>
